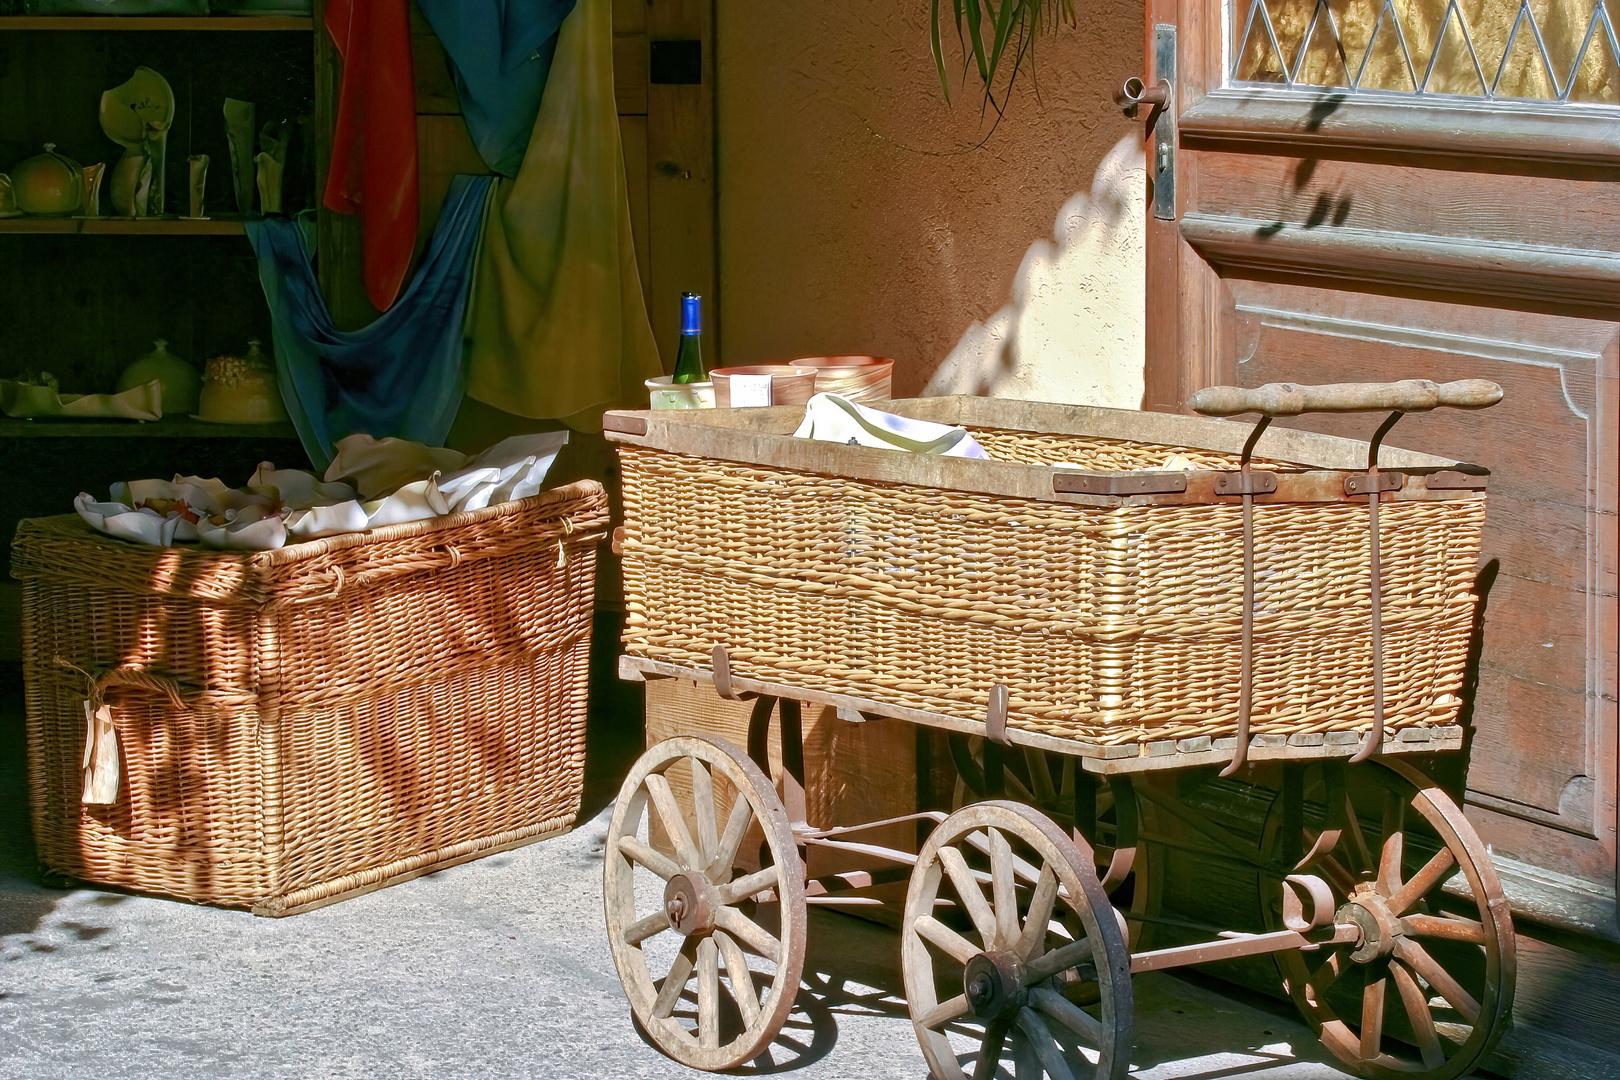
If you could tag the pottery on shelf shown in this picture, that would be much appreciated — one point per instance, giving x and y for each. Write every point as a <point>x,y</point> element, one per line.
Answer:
<point>137,116</point>
<point>8,200</point>
<point>93,175</point>
<point>197,175</point>
<point>239,135</point>
<point>130,185</point>
<point>270,172</point>
<point>49,184</point>
<point>181,383</point>
<point>241,390</point>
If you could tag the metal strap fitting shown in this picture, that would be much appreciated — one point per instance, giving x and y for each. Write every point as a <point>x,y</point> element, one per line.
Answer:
<point>1245,483</point>
<point>1362,483</point>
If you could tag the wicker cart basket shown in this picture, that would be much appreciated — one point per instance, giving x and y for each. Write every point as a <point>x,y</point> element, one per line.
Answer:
<point>298,725</point>
<point>1094,567</point>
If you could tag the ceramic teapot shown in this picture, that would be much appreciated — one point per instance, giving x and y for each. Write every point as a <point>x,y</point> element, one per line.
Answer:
<point>48,184</point>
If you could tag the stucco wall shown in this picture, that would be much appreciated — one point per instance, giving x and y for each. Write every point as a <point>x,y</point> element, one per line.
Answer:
<point>861,213</point>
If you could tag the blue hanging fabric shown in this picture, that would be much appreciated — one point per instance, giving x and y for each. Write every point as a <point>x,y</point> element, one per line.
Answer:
<point>399,376</point>
<point>500,55</point>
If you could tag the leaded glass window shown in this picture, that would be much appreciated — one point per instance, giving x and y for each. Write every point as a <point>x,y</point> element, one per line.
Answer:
<point>1545,50</point>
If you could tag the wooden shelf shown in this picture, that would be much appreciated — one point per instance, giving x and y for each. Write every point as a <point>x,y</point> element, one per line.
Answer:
<point>156,22</point>
<point>179,427</point>
<point>111,226</point>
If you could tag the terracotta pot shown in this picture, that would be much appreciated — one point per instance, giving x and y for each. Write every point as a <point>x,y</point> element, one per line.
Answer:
<point>788,385</point>
<point>858,378</point>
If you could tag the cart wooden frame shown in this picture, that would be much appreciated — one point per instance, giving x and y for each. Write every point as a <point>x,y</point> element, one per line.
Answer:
<point>1382,907</point>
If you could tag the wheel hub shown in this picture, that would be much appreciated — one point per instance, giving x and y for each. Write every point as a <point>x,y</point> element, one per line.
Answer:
<point>1379,928</point>
<point>993,983</point>
<point>687,904</point>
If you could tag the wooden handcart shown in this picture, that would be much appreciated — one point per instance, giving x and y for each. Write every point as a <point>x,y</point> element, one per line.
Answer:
<point>1109,603</point>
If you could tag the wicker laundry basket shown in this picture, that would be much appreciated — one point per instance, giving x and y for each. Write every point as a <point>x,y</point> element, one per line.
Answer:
<point>1094,567</point>
<point>301,725</point>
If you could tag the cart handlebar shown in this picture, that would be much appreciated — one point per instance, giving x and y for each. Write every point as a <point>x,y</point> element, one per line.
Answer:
<point>1291,399</point>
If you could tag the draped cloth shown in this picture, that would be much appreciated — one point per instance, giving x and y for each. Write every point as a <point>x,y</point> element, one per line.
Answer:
<point>558,328</point>
<point>500,55</point>
<point>401,375</point>
<point>373,164</point>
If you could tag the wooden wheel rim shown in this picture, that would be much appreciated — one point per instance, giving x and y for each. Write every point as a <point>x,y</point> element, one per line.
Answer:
<point>1081,893</point>
<point>1495,926</point>
<point>702,1049</point>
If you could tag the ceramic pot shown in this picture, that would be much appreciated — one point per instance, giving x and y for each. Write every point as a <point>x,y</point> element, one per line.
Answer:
<point>855,378</point>
<point>181,382</point>
<point>130,183</point>
<point>48,184</point>
<point>762,384</point>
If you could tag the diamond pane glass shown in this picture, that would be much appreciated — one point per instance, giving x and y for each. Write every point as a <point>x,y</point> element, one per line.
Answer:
<point>1540,50</point>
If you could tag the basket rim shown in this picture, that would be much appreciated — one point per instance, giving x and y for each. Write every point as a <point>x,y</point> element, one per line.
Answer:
<point>587,490</point>
<point>763,437</point>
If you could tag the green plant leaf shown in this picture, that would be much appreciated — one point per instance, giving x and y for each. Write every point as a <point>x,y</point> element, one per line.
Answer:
<point>938,49</point>
<point>1004,20</point>
<point>974,16</point>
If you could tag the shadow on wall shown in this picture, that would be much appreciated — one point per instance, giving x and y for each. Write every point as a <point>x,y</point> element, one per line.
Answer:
<point>1074,330</point>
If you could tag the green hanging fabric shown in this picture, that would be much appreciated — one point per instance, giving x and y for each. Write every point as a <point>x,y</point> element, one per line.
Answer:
<point>558,327</point>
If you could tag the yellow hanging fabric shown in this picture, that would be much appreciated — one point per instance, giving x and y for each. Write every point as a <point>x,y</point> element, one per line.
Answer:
<point>558,327</point>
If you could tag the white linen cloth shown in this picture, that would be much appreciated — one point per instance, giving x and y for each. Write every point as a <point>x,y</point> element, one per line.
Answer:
<point>831,418</point>
<point>281,506</point>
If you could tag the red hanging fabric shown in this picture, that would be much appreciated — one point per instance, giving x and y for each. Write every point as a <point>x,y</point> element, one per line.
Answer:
<point>373,166</point>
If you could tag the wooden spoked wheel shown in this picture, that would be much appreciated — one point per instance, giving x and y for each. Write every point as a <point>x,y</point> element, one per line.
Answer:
<point>988,959</point>
<point>1425,990</point>
<point>689,916</point>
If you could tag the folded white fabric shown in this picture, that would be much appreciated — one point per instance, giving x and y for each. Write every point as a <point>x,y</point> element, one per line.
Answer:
<point>831,418</point>
<point>511,469</point>
<point>281,506</point>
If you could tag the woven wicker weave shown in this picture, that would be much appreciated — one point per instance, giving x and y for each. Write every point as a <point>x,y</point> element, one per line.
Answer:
<point>303,724</point>
<point>1108,623</point>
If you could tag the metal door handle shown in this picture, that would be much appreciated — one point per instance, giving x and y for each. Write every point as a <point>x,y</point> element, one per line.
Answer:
<point>1134,92</point>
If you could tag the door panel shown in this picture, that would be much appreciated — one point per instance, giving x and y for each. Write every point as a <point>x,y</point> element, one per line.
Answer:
<point>1535,744</point>
<point>1330,230</point>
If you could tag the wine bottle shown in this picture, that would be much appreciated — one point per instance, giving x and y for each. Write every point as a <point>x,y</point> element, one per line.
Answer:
<point>689,357</point>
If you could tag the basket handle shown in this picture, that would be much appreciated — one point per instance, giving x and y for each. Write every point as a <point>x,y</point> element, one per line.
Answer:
<point>1291,399</point>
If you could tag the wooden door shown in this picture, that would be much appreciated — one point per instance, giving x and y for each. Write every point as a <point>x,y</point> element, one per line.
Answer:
<point>1378,189</point>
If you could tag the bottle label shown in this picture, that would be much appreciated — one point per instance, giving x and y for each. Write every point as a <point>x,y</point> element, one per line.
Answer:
<point>691,317</point>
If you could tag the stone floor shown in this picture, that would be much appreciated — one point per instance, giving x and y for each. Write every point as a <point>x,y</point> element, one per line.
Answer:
<point>498,968</point>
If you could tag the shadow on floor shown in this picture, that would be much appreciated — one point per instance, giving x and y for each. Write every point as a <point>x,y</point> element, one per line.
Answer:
<point>23,902</point>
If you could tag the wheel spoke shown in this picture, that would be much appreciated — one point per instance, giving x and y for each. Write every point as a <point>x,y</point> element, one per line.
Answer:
<point>1335,871</point>
<point>745,887</point>
<point>737,822</point>
<point>953,944</point>
<point>972,897</point>
<point>708,993</point>
<point>1046,1048</point>
<point>1438,977</point>
<point>1415,889</point>
<point>669,814</point>
<point>742,980</point>
<point>1389,864</point>
<point>708,842</point>
<point>1358,839</point>
<point>1040,915</point>
<point>945,1012</point>
<point>1452,929</point>
<point>1040,777</point>
<point>679,972</point>
<point>748,932</point>
<point>1372,1018</point>
<point>1416,1004</point>
<point>995,1037</point>
<point>1003,888</point>
<point>1060,959</point>
<point>655,861</point>
<point>1318,981</point>
<point>1068,1014</point>
<point>644,928</point>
